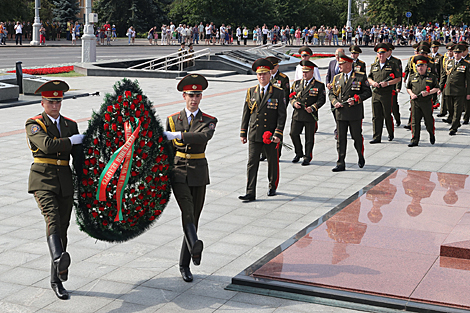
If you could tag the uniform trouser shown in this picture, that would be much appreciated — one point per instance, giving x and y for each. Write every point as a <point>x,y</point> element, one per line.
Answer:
<point>355,128</point>
<point>191,201</point>
<point>418,111</point>
<point>382,110</point>
<point>396,108</point>
<point>466,116</point>
<point>254,152</point>
<point>295,131</point>
<point>455,105</point>
<point>443,106</point>
<point>56,211</point>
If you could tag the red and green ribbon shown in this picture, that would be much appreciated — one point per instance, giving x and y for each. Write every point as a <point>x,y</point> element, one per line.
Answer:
<point>122,155</point>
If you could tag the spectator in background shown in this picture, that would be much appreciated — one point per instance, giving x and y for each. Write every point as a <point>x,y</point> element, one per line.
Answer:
<point>195,34</point>
<point>113,36</point>
<point>129,34</point>
<point>42,36</point>
<point>107,33</point>
<point>150,34</point>
<point>200,29</point>
<point>77,30</point>
<point>239,34</point>
<point>72,34</point>
<point>245,35</point>
<point>19,33</point>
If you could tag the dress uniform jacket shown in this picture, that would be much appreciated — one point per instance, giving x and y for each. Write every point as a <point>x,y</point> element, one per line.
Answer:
<point>48,145</point>
<point>313,95</point>
<point>190,164</point>
<point>456,79</point>
<point>359,66</point>
<point>261,115</point>
<point>282,81</point>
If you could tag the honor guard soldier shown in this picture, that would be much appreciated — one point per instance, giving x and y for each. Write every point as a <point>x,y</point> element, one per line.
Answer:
<point>384,74</point>
<point>421,86</point>
<point>358,65</point>
<point>349,91</point>
<point>53,138</point>
<point>264,111</point>
<point>456,88</point>
<point>445,67</point>
<point>190,130</point>
<point>305,54</point>
<point>280,80</point>
<point>308,96</point>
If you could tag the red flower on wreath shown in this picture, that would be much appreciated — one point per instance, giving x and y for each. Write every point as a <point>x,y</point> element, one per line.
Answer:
<point>119,99</point>
<point>267,137</point>
<point>139,97</point>
<point>356,98</point>
<point>107,117</point>
<point>110,108</point>
<point>105,222</point>
<point>128,94</point>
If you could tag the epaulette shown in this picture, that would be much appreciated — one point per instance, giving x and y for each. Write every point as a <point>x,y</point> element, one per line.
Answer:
<point>360,61</point>
<point>173,114</point>
<point>69,119</point>
<point>277,87</point>
<point>282,75</point>
<point>209,116</point>
<point>362,73</point>
<point>36,117</point>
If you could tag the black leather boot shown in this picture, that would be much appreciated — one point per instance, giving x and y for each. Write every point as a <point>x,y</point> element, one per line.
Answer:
<point>185,259</point>
<point>195,245</point>
<point>60,258</point>
<point>56,284</point>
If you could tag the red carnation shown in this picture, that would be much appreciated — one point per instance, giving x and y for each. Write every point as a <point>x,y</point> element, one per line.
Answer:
<point>85,171</point>
<point>137,113</point>
<point>148,179</point>
<point>164,157</point>
<point>292,94</point>
<point>125,103</point>
<point>119,99</point>
<point>84,182</point>
<point>105,222</point>
<point>155,169</point>
<point>162,148</point>
<point>107,117</point>
<point>95,141</point>
<point>101,208</point>
<point>128,93</point>
<point>116,106</point>
<point>119,118</point>
<point>119,133</point>
<point>110,108</point>
<point>356,98</point>
<point>132,107</point>
<point>150,144</point>
<point>144,156</point>
<point>108,143</point>
<point>163,201</point>
<point>158,159</point>
<point>146,125</point>
<point>428,89</point>
<point>139,97</point>
<point>151,218</point>
<point>164,178</point>
<point>101,165</point>
<point>403,74</point>
<point>141,187</point>
<point>95,171</point>
<point>95,214</point>
<point>114,127</point>
<point>142,143</point>
<point>394,92</point>
<point>146,113</point>
<point>93,160</point>
<point>267,137</point>
<point>158,212</point>
<point>106,126</point>
<point>116,140</point>
<point>392,75</point>
<point>138,163</point>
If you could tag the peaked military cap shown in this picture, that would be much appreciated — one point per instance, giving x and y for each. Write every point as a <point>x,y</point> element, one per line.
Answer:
<point>390,46</point>
<point>355,49</point>
<point>424,49</point>
<point>450,45</point>
<point>305,50</point>
<point>307,66</point>
<point>420,59</point>
<point>460,48</point>
<point>343,58</point>
<point>381,48</point>
<point>415,46</point>
<point>53,90</point>
<point>435,43</point>
<point>274,60</point>
<point>192,84</point>
<point>262,66</point>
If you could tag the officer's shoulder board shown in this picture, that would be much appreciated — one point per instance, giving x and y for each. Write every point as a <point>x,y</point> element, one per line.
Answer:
<point>360,73</point>
<point>170,116</point>
<point>282,75</point>
<point>209,116</point>
<point>68,119</point>
<point>277,87</point>
<point>360,61</point>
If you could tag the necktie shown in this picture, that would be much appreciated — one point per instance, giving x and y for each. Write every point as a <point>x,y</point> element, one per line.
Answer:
<point>192,118</point>
<point>57,126</point>
<point>262,93</point>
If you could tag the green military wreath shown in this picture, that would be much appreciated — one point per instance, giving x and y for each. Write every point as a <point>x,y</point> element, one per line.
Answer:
<point>124,186</point>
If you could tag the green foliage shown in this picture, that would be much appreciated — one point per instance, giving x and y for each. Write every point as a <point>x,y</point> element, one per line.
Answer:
<point>148,189</point>
<point>23,10</point>
<point>65,10</point>
<point>141,14</point>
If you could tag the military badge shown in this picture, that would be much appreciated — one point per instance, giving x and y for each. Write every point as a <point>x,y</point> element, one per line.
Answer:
<point>35,129</point>
<point>212,126</point>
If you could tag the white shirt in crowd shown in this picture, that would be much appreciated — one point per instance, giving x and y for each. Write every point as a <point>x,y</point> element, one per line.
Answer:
<point>298,73</point>
<point>19,28</point>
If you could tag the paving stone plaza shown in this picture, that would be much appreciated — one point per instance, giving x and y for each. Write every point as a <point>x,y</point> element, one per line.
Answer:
<point>142,275</point>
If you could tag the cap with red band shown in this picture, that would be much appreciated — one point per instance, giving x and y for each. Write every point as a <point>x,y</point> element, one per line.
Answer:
<point>53,90</point>
<point>262,66</point>
<point>192,84</point>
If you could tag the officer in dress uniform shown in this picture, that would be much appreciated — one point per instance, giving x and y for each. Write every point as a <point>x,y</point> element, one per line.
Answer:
<point>421,86</point>
<point>398,86</point>
<point>384,74</point>
<point>466,57</point>
<point>349,111</point>
<point>305,54</point>
<point>456,88</point>
<point>358,65</point>
<point>280,80</point>
<point>437,60</point>
<point>264,111</point>
<point>445,67</point>
<point>190,130</point>
<point>309,97</point>
<point>52,139</point>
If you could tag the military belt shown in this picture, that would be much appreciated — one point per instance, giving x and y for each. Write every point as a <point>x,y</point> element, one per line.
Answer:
<point>51,161</point>
<point>190,156</point>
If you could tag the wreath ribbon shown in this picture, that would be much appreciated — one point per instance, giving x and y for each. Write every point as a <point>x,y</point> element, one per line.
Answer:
<point>122,155</point>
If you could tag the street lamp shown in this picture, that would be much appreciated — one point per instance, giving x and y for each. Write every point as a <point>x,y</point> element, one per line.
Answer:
<point>348,22</point>
<point>36,24</point>
<point>88,39</point>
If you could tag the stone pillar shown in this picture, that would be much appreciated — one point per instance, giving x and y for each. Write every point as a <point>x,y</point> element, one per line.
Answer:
<point>36,24</point>
<point>88,38</point>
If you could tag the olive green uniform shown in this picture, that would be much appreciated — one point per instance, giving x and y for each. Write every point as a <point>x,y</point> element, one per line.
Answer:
<point>398,86</point>
<point>261,114</point>
<point>359,66</point>
<point>437,59</point>
<point>466,116</point>
<point>312,95</point>
<point>50,177</point>
<point>455,85</point>
<point>190,173</point>
<point>349,116</point>
<point>422,106</point>
<point>382,98</point>
<point>445,67</point>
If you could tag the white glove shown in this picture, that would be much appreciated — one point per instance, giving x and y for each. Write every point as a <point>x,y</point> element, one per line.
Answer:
<point>172,135</point>
<point>76,139</point>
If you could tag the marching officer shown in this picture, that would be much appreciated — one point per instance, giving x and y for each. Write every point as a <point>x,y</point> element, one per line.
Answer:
<point>456,88</point>
<point>358,65</point>
<point>264,111</point>
<point>437,60</point>
<point>305,54</point>
<point>309,96</point>
<point>349,91</point>
<point>398,86</point>
<point>53,138</point>
<point>279,80</point>
<point>421,86</point>
<point>384,74</point>
<point>445,67</point>
<point>466,57</point>
<point>190,130</point>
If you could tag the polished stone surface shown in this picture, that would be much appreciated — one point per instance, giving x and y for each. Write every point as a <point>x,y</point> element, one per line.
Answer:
<point>388,242</point>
